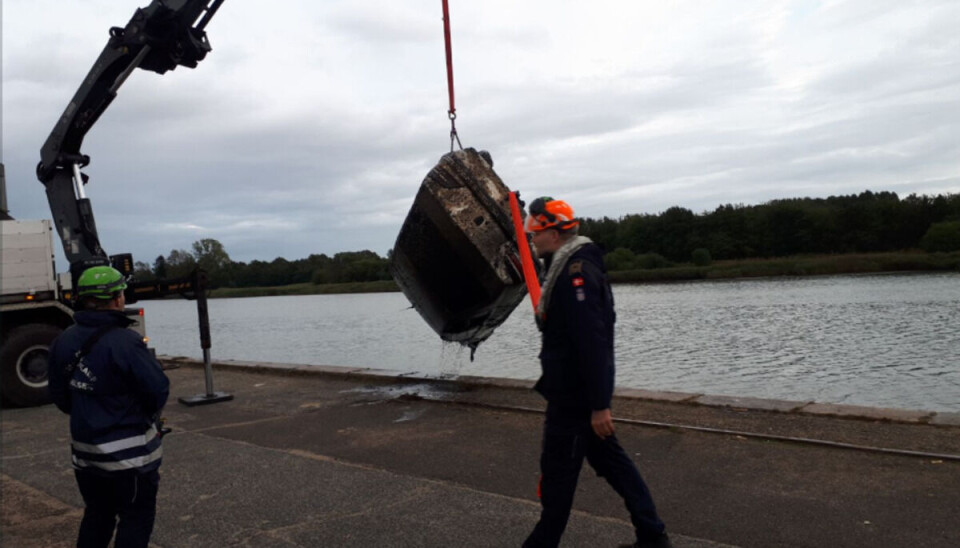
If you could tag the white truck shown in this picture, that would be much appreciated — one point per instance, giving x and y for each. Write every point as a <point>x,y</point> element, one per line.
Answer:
<point>34,307</point>
<point>37,302</point>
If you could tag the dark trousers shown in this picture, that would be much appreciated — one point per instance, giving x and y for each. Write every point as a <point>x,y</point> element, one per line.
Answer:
<point>131,497</point>
<point>568,438</point>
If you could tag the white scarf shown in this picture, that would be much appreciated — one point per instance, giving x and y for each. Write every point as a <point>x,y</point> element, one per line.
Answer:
<point>560,258</point>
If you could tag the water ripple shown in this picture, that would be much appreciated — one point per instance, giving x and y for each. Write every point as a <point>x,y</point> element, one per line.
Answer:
<point>883,340</point>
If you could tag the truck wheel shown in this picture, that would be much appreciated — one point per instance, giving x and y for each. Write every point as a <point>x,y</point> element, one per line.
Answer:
<point>23,364</point>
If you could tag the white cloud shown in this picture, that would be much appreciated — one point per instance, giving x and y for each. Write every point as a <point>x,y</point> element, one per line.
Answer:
<point>311,124</point>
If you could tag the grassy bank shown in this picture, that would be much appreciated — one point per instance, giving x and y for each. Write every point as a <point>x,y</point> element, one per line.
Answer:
<point>797,266</point>
<point>749,268</point>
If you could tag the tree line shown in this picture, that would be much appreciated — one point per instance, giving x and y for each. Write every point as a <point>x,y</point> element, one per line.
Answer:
<point>858,223</point>
<point>210,255</point>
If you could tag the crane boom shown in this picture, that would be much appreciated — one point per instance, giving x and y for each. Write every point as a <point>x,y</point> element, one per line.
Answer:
<point>158,38</point>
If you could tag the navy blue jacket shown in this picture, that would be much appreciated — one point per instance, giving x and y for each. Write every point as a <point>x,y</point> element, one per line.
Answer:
<point>113,396</point>
<point>577,352</point>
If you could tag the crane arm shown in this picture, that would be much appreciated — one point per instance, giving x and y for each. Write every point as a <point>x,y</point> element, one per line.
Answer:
<point>158,38</point>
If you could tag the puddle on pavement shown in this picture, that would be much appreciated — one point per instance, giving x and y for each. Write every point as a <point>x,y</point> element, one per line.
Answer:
<point>425,391</point>
<point>413,414</point>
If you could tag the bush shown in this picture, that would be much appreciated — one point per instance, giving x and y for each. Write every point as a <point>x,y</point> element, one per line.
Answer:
<point>319,277</point>
<point>701,257</point>
<point>942,237</point>
<point>651,260</point>
<point>620,258</point>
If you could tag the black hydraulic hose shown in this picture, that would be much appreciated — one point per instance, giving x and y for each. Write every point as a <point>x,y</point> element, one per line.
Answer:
<point>726,432</point>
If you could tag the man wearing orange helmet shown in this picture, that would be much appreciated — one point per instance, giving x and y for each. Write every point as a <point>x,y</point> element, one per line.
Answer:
<point>576,317</point>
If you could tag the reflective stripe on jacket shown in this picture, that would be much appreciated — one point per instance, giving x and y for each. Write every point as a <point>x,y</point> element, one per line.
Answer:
<point>113,396</point>
<point>136,452</point>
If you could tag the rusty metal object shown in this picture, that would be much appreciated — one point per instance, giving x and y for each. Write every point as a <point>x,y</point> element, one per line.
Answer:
<point>456,258</point>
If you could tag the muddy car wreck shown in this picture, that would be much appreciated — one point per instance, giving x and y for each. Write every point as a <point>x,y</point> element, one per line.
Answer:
<point>456,257</point>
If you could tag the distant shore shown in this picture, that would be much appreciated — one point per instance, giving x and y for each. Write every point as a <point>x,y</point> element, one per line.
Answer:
<point>800,265</point>
<point>803,265</point>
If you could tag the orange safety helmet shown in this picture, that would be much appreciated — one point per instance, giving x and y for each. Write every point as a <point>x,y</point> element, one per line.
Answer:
<point>545,212</point>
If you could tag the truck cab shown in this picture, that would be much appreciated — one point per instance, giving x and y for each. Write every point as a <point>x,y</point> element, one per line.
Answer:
<point>34,306</point>
<point>36,303</point>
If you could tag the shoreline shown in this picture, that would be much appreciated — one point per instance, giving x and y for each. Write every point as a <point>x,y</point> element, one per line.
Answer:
<point>787,407</point>
<point>797,266</point>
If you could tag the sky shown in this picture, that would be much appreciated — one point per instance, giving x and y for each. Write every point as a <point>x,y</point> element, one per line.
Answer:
<point>310,126</point>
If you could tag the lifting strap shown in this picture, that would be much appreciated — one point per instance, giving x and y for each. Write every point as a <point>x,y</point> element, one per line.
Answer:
<point>452,113</point>
<point>87,347</point>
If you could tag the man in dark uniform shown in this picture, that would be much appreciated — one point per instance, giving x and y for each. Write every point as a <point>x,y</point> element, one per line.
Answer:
<point>576,317</point>
<point>106,379</point>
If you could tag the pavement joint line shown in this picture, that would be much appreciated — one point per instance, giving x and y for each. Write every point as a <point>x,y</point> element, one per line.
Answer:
<point>708,430</point>
<point>29,455</point>
<point>853,412</point>
<point>230,425</point>
<point>204,497</point>
<point>393,503</point>
<point>370,468</point>
<point>453,485</point>
<point>37,492</point>
<point>324,458</point>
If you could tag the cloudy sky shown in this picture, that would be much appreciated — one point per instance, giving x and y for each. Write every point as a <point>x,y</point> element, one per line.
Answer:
<point>310,126</point>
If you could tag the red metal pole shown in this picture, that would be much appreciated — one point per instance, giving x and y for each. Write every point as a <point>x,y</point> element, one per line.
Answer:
<point>526,258</point>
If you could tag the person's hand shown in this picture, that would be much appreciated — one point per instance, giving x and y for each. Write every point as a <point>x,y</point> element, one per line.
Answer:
<point>602,423</point>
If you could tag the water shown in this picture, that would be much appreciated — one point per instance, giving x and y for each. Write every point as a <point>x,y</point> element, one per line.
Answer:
<point>879,340</point>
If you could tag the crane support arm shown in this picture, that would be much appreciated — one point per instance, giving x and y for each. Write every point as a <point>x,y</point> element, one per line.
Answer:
<point>158,38</point>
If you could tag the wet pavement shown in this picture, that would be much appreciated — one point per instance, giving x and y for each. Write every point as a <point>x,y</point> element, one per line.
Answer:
<point>365,458</point>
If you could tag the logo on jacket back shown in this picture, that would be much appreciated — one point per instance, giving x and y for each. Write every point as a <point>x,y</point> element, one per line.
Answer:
<point>81,385</point>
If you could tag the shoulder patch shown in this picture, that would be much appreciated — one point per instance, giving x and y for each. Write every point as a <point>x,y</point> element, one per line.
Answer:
<point>575,267</point>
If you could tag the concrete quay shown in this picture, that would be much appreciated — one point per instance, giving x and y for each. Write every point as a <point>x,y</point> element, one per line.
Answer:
<point>325,456</point>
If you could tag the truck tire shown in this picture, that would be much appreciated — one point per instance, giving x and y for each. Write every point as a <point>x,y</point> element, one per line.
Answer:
<point>23,364</point>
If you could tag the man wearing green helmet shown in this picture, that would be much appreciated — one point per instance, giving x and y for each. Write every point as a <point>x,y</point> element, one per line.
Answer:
<point>99,284</point>
<point>106,379</point>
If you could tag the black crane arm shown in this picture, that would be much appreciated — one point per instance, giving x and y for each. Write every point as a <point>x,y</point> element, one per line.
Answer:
<point>159,37</point>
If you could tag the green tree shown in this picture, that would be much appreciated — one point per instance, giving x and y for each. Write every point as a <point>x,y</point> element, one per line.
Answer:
<point>603,232</point>
<point>651,260</point>
<point>701,257</point>
<point>160,267</point>
<point>142,271</point>
<point>673,233</point>
<point>319,277</point>
<point>180,263</point>
<point>942,237</point>
<point>788,231</point>
<point>357,266</point>
<point>620,258</point>
<point>211,256</point>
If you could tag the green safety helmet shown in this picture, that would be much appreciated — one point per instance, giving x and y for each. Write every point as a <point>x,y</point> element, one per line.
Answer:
<point>101,282</point>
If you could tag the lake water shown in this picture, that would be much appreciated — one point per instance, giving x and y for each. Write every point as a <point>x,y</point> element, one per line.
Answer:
<point>880,340</point>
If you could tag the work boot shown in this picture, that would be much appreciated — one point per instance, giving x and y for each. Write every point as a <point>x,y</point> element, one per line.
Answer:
<point>663,541</point>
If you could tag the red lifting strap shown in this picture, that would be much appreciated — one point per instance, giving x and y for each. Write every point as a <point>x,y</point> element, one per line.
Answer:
<point>446,38</point>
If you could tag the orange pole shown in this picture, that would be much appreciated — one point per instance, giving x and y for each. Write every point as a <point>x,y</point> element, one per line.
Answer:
<point>526,258</point>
